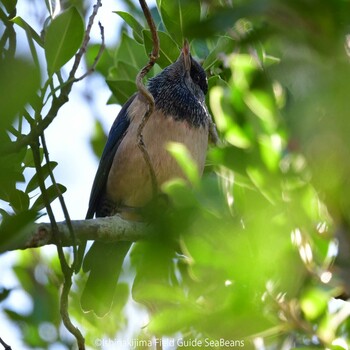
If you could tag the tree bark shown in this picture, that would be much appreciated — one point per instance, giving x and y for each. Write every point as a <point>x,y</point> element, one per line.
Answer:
<point>108,229</point>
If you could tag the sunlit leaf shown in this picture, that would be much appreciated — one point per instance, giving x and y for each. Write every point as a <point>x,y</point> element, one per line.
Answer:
<point>313,303</point>
<point>63,38</point>
<point>28,29</point>
<point>123,71</point>
<point>131,52</point>
<point>183,157</point>
<point>133,23</point>
<point>177,14</point>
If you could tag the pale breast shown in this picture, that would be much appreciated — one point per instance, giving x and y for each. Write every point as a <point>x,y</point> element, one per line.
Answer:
<point>129,182</point>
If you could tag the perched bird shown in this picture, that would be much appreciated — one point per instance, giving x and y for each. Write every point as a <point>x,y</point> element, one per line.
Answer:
<point>123,182</point>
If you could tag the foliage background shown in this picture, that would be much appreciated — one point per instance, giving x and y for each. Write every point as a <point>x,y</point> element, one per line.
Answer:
<point>257,249</point>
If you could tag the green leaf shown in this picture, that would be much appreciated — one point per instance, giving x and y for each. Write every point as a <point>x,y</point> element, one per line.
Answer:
<point>313,303</point>
<point>177,14</point>
<point>4,293</point>
<point>28,160</point>
<point>133,23</point>
<point>104,63</point>
<point>168,51</point>
<point>16,92</point>
<point>10,5</point>
<point>19,201</point>
<point>183,157</point>
<point>32,36</point>
<point>98,139</point>
<point>164,322</point>
<point>131,52</point>
<point>34,182</point>
<point>52,195</point>
<point>225,44</point>
<point>123,71</point>
<point>14,227</point>
<point>63,38</point>
<point>122,89</point>
<point>28,29</point>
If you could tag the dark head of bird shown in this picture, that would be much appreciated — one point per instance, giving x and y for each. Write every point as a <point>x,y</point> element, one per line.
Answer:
<point>179,90</point>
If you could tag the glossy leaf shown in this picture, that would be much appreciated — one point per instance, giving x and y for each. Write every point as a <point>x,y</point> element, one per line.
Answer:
<point>123,71</point>
<point>63,38</point>
<point>131,52</point>
<point>133,23</point>
<point>177,14</point>
<point>168,52</point>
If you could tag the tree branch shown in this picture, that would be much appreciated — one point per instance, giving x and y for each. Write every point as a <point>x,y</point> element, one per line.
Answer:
<point>108,229</point>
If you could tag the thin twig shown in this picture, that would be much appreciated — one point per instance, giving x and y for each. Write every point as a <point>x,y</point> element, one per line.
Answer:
<point>98,56</point>
<point>147,95</point>
<point>60,100</point>
<point>86,40</point>
<point>6,346</point>
<point>61,199</point>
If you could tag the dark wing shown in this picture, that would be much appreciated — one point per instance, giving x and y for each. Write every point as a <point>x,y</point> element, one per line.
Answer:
<point>115,136</point>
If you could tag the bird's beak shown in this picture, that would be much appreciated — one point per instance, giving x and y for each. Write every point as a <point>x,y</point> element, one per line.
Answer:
<point>186,55</point>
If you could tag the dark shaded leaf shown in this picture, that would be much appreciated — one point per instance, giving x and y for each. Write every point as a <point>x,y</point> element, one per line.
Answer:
<point>10,5</point>
<point>28,160</point>
<point>34,182</point>
<point>13,228</point>
<point>4,293</point>
<point>19,201</point>
<point>122,89</point>
<point>52,194</point>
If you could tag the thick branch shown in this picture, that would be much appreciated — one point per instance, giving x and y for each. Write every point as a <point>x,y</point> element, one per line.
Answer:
<point>109,229</point>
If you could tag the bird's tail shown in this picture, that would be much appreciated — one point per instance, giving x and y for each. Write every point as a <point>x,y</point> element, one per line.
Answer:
<point>104,261</point>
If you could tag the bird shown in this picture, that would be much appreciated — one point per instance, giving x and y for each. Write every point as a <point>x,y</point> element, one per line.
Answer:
<point>123,183</point>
